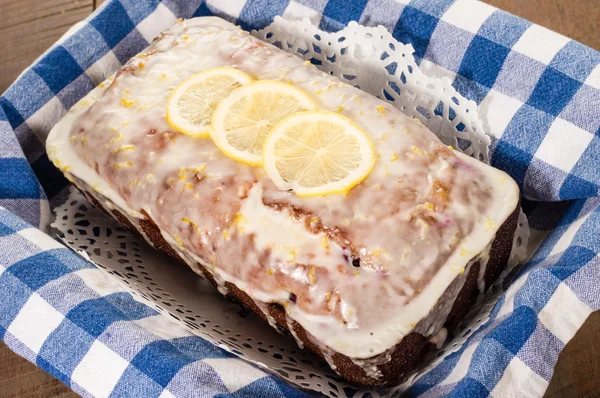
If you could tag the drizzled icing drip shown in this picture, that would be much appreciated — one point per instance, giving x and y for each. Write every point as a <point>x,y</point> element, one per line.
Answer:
<point>290,324</point>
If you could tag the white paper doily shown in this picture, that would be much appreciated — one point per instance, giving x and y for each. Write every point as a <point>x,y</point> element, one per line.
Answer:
<point>368,58</point>
<point>372,60</point>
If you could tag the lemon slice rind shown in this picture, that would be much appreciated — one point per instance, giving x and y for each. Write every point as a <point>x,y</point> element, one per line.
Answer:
<point>303,121</point>
<point>174,115</point>
<point>224,115</point>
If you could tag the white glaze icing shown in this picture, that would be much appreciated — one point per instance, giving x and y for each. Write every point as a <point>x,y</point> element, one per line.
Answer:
<point>416,222</point>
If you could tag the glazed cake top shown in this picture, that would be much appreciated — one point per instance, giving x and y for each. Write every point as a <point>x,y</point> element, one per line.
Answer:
<point>357,271</point>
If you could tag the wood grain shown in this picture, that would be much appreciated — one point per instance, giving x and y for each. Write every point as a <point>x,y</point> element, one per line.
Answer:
<point>577,19</point>
<point>28,27</point>
<point>21,378</point>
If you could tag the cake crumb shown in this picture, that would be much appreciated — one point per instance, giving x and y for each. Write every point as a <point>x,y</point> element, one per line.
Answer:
<point>127,103</point>
<point>324,242</point>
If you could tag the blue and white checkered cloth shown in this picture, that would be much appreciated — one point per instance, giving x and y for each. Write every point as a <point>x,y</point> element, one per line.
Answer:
<point>539,98</point>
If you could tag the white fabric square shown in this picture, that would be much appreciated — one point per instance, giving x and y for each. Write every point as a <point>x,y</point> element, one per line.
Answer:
<point>45,118</point>
<point>540,43</point>
<point>468,15</point>
<point>166,394</point>
<point>162,327</point>
<point>161,19</point>
<point>99,370</point>
<point>103,68</point>
<point>296,12</point>
<point>593,79</point>
<point>40,239</point>
<point>234,373</point>
<point>519,380</point>
<point>496,111</point>
<point>231,8</point>
<point>34,323</point>
<point>563,145</point>
<point>101,282</point>
<point>564,313</point>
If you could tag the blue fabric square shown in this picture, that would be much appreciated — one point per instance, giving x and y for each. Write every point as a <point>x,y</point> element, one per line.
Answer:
<point>64,349</point>
<point>585,167</point>
<point>10,223</point>
<point>10,113</point>
<point>58,68</point>
<point>553,91</point>
<point>95,316</point>
<point>543,181</point>
<point>470,88</point>
<point>527,129</point>
<point>75,91</point>
<point>337,13</point>
<point>17,179</point>
<point>537,291</point>
<point>519,76</point>
<point>503,28</point>
<point>257,14</point>
<point>38,270</point>
<point>22,101</point>
<point>382,12</point>
<point>113,23</point>
<point>584,283</point>
<point>415,27</point>
<point>202,11</point>
<point>512,160</point>
<point>448,45</point>
<point>576,60</point>
<point>483,60</point>
<point>49,368</point>
<point>577,111</point>
<point>571,261</point>
<point>132,44</point>
<point>435,8</point>
<point>16,295</point>
<point>469,387</point>
<point>87,47</point>
<point>186,9</point>
<point>576,188</point>
<point>134,383</point>
<point>587,236</point>
<point>515,330</point>
<point>437,374</point>
<point>540,352</point>
<point>139,10</point>
<point>164,353</point>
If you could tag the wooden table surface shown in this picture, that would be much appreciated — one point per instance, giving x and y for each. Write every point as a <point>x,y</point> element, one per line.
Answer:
<point>28,27</point>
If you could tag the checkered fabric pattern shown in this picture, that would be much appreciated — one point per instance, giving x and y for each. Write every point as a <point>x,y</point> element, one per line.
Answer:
<point>538,95</point>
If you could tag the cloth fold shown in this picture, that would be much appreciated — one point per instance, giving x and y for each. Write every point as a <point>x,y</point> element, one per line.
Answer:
<point>538,95</point>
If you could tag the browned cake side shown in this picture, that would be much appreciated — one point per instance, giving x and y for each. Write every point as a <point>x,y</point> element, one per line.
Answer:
<point>407,354</point>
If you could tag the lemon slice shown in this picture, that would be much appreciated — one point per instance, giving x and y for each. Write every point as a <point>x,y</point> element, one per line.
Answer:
<point>192,104</point>
<point>318,153</point>
<point>242,121</point>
